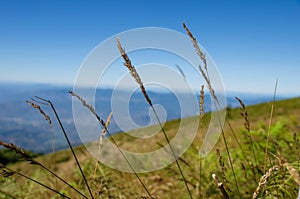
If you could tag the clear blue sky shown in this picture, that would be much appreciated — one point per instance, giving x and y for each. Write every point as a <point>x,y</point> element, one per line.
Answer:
<point>252,42</point>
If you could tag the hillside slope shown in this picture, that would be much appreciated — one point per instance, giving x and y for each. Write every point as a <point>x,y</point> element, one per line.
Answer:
<point>167,183</point>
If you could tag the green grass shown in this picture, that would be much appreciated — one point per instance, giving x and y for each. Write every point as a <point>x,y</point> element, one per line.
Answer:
<point>165,183</point>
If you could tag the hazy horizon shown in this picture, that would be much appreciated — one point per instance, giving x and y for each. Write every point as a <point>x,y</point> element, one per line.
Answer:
<point>252,42</point>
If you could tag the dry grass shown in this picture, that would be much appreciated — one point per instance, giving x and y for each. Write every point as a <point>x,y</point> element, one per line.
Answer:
<point>161,184</point>
<point>46,117</point>
<point>263,180</point>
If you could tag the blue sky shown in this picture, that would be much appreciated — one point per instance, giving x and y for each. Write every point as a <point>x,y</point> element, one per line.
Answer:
<point>252,42</point>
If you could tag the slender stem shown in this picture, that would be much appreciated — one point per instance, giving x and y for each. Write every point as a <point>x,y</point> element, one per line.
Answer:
<point>242,150</point>
<point>216,104</point>
<point>200,178</point>
<point>46,186</point>
<point>101,122</point>
<point>172,151</point>
<point>237,141</point>
<point>57,177</point>
<point>230,161</point>
<point>269,127</point>
<point>70,145</point>
<point>128,162</point>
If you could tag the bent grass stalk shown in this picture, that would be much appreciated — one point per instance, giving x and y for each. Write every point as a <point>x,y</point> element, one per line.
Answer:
<point>69,143</point>
<point>28,158</point>
<point>137,78</point>
<point>48,119</point>
<point>11,172</point>
<point>212,92</point>
<point>102,123</point>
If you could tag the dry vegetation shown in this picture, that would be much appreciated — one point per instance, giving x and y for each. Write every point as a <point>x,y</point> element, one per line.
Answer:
<point>257,156</point>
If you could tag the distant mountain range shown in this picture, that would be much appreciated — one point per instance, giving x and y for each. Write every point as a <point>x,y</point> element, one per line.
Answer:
<point>24,126</point>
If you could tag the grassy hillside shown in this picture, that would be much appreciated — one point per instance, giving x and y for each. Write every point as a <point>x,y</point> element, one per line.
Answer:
<point>280,172</point>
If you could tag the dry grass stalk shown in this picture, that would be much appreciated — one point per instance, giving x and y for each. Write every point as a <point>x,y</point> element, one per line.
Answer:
<point>212,92</point>
<point>293,172</point>
<point>19,151</point>
<point>48,102</point>
<point>133,71</point>
<point>222,165</point>
<point>102,123</point>
<point>202,113</point>
<point>244,114</point>
<point>263,180</point>
<point>90,107</point>
<point>196,46</point>
<point>136,76</point>
<point>46,117</point>
<point>103,132</point>
<point>202,56</point>
<point>220,186</point>
<point>269,126</point>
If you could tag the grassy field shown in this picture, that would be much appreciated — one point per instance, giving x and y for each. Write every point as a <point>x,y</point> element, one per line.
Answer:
<point>278,177</point>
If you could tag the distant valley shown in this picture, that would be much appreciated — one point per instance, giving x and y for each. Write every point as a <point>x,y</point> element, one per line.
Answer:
<point>24,126</point>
